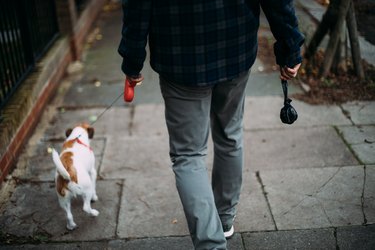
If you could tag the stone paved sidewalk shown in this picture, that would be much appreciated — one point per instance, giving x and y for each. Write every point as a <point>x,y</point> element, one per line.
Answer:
<point>310,185</point>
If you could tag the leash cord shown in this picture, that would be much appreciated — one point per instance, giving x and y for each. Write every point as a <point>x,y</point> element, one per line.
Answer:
<point>284,84</point>
<point>51,148</point>
<point>108,107</point>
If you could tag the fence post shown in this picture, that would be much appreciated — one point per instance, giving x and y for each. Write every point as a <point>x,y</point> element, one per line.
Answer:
<point>67,19</point>
<point>25,31</point>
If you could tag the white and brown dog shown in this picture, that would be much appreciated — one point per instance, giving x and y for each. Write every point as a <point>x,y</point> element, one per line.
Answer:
<point>75,171</point>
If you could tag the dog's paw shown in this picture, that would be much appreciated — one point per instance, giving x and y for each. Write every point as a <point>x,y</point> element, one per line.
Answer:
<point>71,226</point>
<point>94,198</point>
<point>94,212</point>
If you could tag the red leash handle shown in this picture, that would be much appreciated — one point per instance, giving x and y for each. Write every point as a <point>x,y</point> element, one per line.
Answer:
<point>130,84</point>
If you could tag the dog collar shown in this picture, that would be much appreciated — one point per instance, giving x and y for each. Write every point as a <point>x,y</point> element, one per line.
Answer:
<point>83,144</point>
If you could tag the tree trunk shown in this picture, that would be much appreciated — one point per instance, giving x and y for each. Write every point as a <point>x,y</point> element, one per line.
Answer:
<point>354,43</point>
<point>339,62</point>
<point>334,38</point>
<point>327,23</point>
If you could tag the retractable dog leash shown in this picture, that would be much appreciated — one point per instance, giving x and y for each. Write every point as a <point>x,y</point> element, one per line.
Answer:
<point>129,90</point>
<point>288,114</point>
<point>105,110</point>
<point>128,95</point>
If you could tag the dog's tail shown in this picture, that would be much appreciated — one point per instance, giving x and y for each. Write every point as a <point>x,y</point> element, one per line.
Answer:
<point>72,186</point>
<point>59,165</point>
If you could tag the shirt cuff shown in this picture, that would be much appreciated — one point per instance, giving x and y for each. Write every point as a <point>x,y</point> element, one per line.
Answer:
<point>129,69</point>
<point>288,56</point>
<point>289,60</point>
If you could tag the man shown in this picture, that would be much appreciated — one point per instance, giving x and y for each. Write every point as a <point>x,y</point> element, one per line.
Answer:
<point>203,51</point>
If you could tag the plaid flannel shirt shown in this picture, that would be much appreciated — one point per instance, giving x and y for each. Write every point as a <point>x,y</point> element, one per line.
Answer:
<point>203,42</point>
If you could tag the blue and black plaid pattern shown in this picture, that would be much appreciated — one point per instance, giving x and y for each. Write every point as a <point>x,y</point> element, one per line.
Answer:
<point>203,42</point>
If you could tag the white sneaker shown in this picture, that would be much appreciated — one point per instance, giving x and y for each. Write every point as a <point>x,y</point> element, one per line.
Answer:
<point>228,232</point>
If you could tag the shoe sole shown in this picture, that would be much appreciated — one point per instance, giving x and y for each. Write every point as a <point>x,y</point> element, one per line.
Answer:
<point>229,233</point>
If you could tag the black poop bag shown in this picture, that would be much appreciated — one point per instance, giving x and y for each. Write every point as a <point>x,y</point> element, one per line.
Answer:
<point>288,114</point>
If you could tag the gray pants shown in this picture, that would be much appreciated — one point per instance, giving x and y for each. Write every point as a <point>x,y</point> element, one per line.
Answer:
<point>189,112</point>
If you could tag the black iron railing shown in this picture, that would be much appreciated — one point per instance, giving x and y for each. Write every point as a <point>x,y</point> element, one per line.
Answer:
<point>80,5</point>
<point>27,29</point>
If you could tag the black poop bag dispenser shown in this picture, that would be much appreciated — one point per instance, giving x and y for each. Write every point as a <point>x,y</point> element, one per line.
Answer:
<point>288,114</point>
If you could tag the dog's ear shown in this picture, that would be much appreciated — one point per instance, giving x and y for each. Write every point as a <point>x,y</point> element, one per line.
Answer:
<point>90,132</point>
<point>68,132</point>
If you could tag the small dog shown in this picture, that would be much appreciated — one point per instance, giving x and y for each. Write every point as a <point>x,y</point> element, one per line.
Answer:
<point>75,171</point>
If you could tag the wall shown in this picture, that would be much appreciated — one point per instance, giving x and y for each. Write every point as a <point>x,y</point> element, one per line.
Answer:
<point>23,111</point>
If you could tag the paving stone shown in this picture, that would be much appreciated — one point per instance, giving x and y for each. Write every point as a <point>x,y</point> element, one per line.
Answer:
<point>149,120</point>
<point>253,213</point>
<point>369,194</point>
<point>264,112</point>
<point>318,115</point>
<point>358,237</point>
<point>115,121</point>
<point>358,134</point>
<point>296,239</point>
<point>130,155</point>
<point>150,207</point>
<point>235,243</point>
<point>267,84</point>
<point>82,93</point>
<point>101,227</point>
<point>35,163</point>
<point>365,152</point>
<point>361,140</point>
<point>108,72</point>
<point>33,212</point>
<point>60,246</point>
<point>101,59</point>
<point>170,243</point>
<point>361,113</point>
<point>315,198</point>
<point>257,112</point>
<point>296,148</point>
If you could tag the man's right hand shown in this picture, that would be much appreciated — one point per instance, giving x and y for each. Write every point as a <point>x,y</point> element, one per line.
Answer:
<point>130,83</point>
<point>135,79</point>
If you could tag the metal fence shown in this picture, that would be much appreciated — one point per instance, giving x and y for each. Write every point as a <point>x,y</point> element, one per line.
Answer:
<point>27,29</point>
<point>80,5</point>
